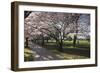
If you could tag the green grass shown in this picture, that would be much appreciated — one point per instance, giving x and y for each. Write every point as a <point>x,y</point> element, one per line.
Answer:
<point>28,54</point>
<point>83,44</point>
<point>67,56</point>
<point>51,43</point>
<point>69,44</point>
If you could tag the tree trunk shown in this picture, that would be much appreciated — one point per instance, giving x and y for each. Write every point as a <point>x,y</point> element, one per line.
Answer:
<point>42,41</point>
<point>26,43</point>
<point>61,46</point>
<point>76,30</point>
<point>74,40</point>
<point>47,40</point>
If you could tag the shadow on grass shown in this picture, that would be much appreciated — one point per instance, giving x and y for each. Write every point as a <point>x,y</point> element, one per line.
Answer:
<point>78,50</point>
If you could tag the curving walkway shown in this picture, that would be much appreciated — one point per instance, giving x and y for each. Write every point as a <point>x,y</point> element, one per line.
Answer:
<point>42,54</point>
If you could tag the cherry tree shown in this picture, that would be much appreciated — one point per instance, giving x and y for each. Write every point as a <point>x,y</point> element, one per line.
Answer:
<point>55,25</point>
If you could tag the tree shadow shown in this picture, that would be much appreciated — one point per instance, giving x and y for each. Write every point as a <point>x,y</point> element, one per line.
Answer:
<point>81,51</point>
<point>77,51</point>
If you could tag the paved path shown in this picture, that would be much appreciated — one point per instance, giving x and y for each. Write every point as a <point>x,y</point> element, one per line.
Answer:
<point>42,54</point>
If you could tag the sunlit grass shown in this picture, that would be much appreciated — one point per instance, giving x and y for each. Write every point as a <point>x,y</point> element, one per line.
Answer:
<point>69,44</point>
<point>52,46</point>
<point>81,42</point>
<point>28,54</point>
<point>81,45</point>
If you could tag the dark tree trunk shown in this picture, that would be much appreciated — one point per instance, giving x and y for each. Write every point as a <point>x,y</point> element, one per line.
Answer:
<point>42,41</point>
<point>74,40</point>
<point>26,43</point>
<point>76,30</point>
<point>47,40</point>
<point>61,46</point>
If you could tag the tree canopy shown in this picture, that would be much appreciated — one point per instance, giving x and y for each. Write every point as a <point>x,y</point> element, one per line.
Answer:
<point>55,25</point>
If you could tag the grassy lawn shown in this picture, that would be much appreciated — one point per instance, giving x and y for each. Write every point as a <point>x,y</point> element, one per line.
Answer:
<point>68,56</point>
<point>82,45</point>
<point>80,51</point>
<point>69,44</point>
<point>28,54</point>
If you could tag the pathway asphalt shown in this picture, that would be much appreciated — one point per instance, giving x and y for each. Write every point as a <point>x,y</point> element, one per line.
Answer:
<point>42,54</point>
